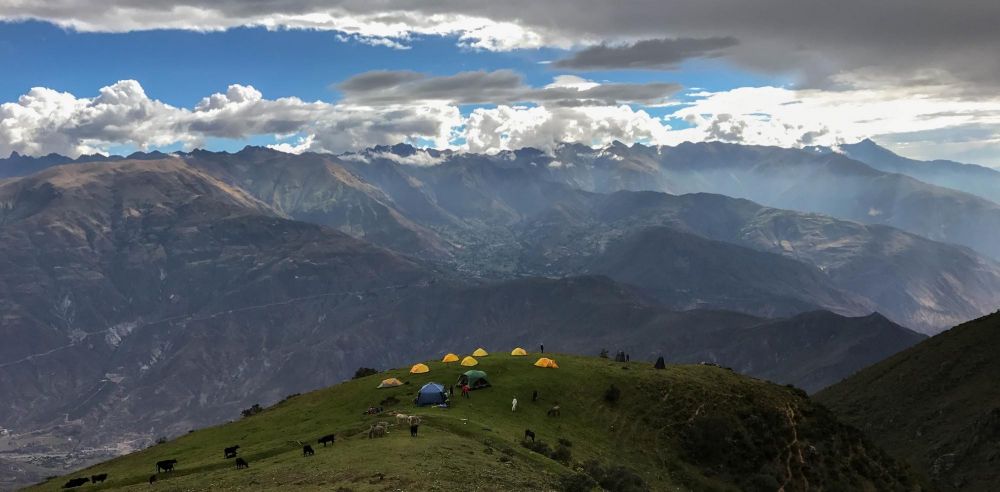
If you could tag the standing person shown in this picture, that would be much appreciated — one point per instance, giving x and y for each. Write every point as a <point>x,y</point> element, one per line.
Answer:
<point>542,348</point>
<point>465,391</point>
<point>513,405</point>
<point>413,429</point>
<point>534,396</point>
<point>627,358</point>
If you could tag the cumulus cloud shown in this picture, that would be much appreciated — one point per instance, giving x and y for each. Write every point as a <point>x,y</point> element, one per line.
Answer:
<point>425,110</point>
<point>663,53</point>
<point>513,127</point>
<point>44,121</point>
<point>496,87</point>
<point>793,118</point>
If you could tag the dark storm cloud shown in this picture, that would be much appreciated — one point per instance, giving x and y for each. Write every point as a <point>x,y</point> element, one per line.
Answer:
<point>651,53</point>
<point>816,43</point>
<point>496,87</point>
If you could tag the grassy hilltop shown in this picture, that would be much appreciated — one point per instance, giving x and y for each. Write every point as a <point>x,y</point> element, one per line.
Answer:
<point>682,428</point>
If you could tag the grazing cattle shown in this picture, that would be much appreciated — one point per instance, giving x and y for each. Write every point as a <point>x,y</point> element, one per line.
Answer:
<point>307,450</point>
<point>376,431</point>
<point>527,434</point>
<point>413,420</point>
<point>241,464</point>
<point>230,452</point>
<point>152,479</point>
<point>329,438</point>
<point>99,478</point>
<point>75,482</point>
<point>165,465</point>
<point>402,418</point>
<point>554,411</point>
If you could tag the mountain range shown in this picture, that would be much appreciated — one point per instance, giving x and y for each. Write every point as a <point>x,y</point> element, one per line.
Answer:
<point>150,295</point>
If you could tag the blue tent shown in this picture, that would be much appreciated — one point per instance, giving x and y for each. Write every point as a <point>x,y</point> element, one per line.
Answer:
<point>431,394</point>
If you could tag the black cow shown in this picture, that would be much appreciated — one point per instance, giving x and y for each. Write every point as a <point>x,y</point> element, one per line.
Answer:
<point>241,464</point>
<point>329,438</point>
<point>527,434</point>
<point>75,482</point>
<point>307,450</point>
<point>165,465</point>
<point>99,478</point>
<point>152,479</point>
<point>230,452</point>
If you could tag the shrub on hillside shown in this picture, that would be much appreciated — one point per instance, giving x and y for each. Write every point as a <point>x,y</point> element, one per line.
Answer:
<point>540,447</point>
<point>612,394</point>
<point>363,372</point>
<point>603,354</point>
<point>253,410</point>
<point>576,482</point>
<point>562,454</point>
<point>615,478</point>
<point>565,442</point>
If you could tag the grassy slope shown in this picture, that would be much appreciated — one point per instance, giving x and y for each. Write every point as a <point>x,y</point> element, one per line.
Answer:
<point>463,446</point>
<point>936,405</point>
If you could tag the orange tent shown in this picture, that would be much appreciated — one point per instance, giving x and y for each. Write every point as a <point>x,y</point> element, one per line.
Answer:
<point>419,369</point>
<point>519,351</point>
<point>469,361</point>
<point>480,352</point>
<point>450,358</point>
<point>546,362</point>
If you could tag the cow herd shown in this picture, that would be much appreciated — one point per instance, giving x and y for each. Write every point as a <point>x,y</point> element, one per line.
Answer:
<point>76,482</point>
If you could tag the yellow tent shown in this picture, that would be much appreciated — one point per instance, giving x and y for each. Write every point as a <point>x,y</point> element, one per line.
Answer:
<point>419,369</point>
<point>450,358</point>
<point>546,362</point>
<point>390,383</point>
<point>519,351</point>
<point>480,352</point>
<point>469,361</point>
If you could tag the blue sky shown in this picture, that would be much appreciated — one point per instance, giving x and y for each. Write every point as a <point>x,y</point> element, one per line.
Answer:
<point>180,67</point>
<point>82,78</point>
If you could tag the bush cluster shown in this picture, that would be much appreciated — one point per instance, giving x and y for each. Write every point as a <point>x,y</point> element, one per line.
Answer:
<point>254,410</point>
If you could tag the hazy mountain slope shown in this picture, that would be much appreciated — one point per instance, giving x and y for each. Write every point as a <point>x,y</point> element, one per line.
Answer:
<point>919,283</point>
<point>827,183</point>
<point>480,215</point>
<point>316,189</point>
<point>971,178</point>
<point>936,405</point>
<point>685,271</point>
<point>148,298</point>
<point>664,430</point>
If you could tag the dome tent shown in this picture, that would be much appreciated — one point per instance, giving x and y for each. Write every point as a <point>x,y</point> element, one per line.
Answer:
<point>419,369</point>
<point>480,352</point>
<point>390,383</point>
<point>518,352</point>
<point>469,361</point>
<point>475,379</point>
<point>431,394</point>
<point>546,362</point>
<point>449,358</point>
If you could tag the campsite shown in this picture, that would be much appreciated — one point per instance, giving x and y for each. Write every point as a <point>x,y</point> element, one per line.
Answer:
<point>644,432</point>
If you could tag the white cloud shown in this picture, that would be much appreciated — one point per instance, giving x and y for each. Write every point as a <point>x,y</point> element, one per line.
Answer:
<point>44,121</point>
<point>513,127</point>
<point>908,120</point>
<point>792,118</point>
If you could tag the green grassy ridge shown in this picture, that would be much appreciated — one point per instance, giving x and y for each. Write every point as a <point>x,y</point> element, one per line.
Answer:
<point>682,428</point>
<point>935,405</point>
